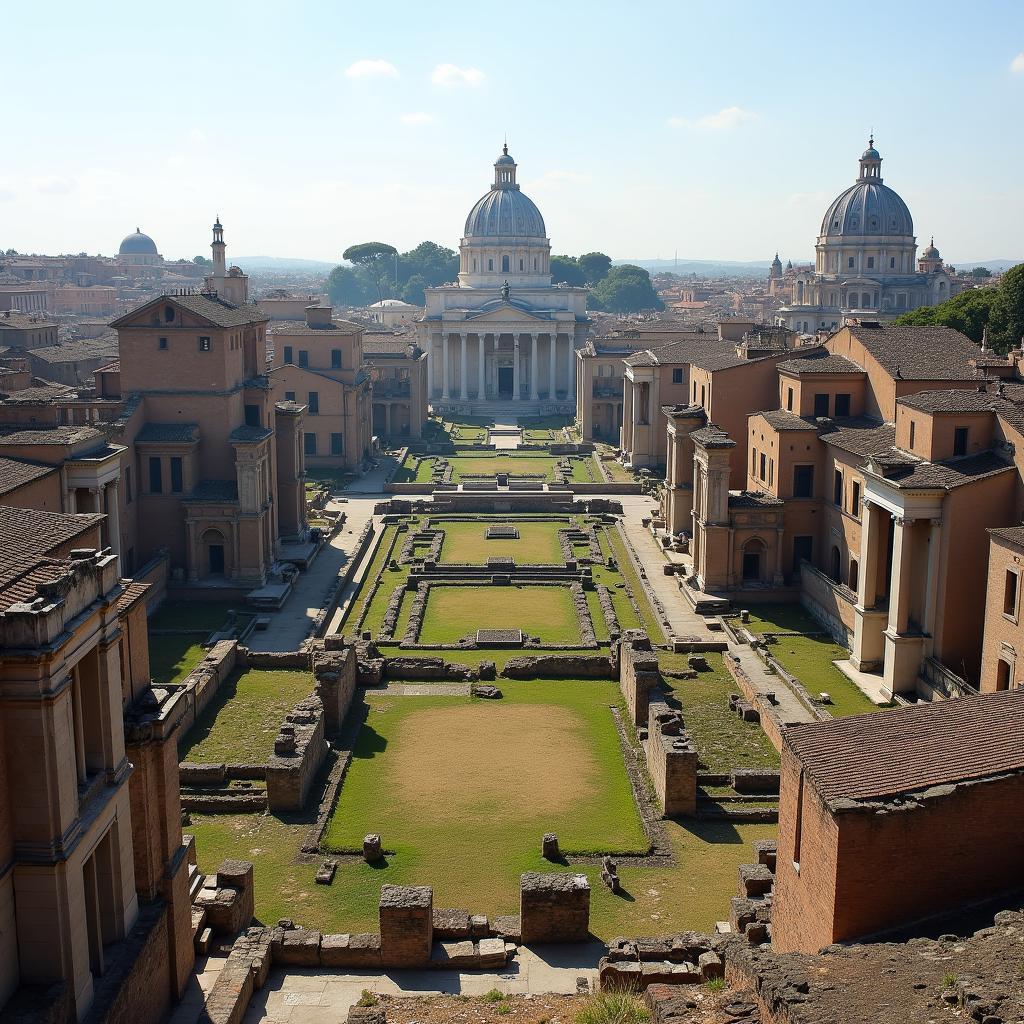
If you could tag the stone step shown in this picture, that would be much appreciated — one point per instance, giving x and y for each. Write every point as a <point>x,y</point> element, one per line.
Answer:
<point>202,941</point>
<point>198,922</point>
<point>195,882</point>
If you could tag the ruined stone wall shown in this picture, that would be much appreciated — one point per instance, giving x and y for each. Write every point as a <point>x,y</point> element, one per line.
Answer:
<point>335,668</point>
<point>203,682</point>
<point>299,752</point>
<point>559,666</point>
<point>554,907</point>
<point>671,760</point>
<point>638,675</point>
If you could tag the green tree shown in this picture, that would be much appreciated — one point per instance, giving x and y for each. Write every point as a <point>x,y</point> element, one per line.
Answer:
<point>567,270</point>
<point>595,266</point>
<point>377,259</point>
<point>980,273</point>
<point>412,291</point>
<point>967,312</point>
<point>1006,326</point>
<point>626,289</point>
<point>434,263</point>
<point>347,286</point>
<point>202,261</point>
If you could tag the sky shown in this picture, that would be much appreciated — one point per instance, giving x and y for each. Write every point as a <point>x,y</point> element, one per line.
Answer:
<point>716,130</point>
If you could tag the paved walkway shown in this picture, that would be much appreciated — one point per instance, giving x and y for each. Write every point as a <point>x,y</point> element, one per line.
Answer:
<point>324,996</point>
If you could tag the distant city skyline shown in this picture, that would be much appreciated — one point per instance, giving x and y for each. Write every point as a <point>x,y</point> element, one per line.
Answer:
<point>718,131</point>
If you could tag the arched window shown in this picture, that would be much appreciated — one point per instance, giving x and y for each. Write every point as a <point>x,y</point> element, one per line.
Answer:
<point>168,314</point>
<point>835,570</point>
<point>1002,675</point>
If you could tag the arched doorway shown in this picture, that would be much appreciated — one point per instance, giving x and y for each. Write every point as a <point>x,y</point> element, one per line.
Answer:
<point>854,578</point>
<point>835,570</point>
<point>215,558</point>
<point>753,560</point>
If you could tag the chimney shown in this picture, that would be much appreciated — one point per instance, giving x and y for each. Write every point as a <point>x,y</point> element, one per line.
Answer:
<point>319,316</point>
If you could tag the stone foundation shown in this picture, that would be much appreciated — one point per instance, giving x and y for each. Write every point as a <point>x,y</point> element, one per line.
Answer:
<point>299,753</point>
<point>671,760</point>
<point>554,907</point>
<point>406,925</point>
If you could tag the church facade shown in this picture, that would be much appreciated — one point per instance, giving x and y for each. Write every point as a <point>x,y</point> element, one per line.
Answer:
<point>503,333</point>
<point>865,265</point>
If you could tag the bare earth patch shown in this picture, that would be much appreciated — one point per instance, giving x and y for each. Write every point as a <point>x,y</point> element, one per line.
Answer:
<point>528,759</point>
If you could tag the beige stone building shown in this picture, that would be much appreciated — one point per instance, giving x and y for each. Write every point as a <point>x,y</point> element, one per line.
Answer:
<point>398,375</point>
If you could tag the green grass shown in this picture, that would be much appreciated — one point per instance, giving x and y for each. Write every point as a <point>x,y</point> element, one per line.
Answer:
<point>613,1007</point>
<point>466,542</point>
<point>810,658</point>
<point>171,658</point>
<point>193,615</point>
<point>457,611</point>
<point>724,741</point>
<point>240,723</point>
<point>489,465</point>
<point>625,563</point>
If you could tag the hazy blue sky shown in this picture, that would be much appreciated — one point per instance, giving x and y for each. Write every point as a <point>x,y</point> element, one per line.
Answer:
<point>718,130</point>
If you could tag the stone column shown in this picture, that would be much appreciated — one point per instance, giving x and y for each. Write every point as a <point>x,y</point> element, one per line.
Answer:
<point>552,366</point>
<point>626,432</point>
<point>902,571</point>
<point>932,580</point>
<point>867,589</point>
<point>444,367</point>
<point>515,367</point>
<point>463,388</point>
<point>481,347</point>
<point>534,389</point>
<point>113,517</point>
<point>570,390</point>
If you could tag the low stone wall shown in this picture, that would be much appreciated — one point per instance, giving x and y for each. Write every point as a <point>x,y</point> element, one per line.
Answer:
<point>657,966</point>
<point>830,603</point>
<point>559,666</point>
<point>671,760</point>
<point>428,669</point>
<point>554,907</point>
<point>200,686</point>
<point>272,660</point>
<point>770,722</point>
<point>335,670</point>
<point>617,487</point>
<point>299,752</point>
<point>638,674</point>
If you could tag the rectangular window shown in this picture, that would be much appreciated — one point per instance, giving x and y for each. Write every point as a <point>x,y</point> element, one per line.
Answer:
<point>1010,593</point>
<point>842,405</point>
<point>156,480</point>
<point>252,416</point>
<point>837,489</point>
<point>771,472</point>
<point>303,357</point>
<point>702,395</point>
<point>335,358</point>
<point>677,375</point>
<point>177,484</point>
<point>849,262</point>
<point>871,263</point>
<point>764,466</point>
<point>753,462</point>
<point>314,403</point>
<point>309,444</point>
<point>163,343</point>
<point>821,404</point>
<point>892,262</point>
<point>960,441</point>
<point>289,396</point>
<point>490,264</point>
<point>694,392</point>
<point>205,344</point>
<point>789,399</point>
<point>803,481</point>
<point>288,355</point>
<point>913,431</point>
<point>337,447</point>
<point>855,502</point>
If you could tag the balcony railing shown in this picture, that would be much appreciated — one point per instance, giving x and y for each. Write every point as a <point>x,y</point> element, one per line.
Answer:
<point>945,681</point>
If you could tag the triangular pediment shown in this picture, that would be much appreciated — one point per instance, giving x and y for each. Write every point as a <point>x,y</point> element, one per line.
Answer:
<point>506,312</point>
<point>152,314</point>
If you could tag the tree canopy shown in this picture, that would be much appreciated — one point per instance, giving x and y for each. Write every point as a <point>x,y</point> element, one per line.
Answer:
<point>981,272</point>
<point>1000,309</point>
<point>566,270</point>
<point>595,266</point>
<point>348,286</point>
<point>626,289</point>
<point>376,258</point>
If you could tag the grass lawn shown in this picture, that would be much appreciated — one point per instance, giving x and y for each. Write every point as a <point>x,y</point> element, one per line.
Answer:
<point>810,658</point>
<point>194,615</point>
<point>171,658</point>
<point>455,612</point>
<point>489,465</point>
<point>625,563</point>
<point>724,741</point>
<point>467,542</point>
<point>240,723</point>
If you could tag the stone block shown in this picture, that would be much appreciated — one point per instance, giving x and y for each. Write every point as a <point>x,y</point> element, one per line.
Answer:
<point>767,851</point>
<point>367,1015</point>
<point>491,953</point>
<point>299,948</point>
<point>711,966</point>
<point>334,950</point>
<point>554,907</point>
<point>372,851</point>
<point>755,780</point>
<point>364,949</point>
<point>461,953</point>
<point>755,880</point>
<point>549,847</point>
<point>406,925</point>
<point>237,874</point>
<point>479,927</point>
<point>508,927</point>
<point>451,924</point>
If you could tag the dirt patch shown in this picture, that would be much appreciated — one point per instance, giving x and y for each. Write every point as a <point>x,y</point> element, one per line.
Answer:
<point>529,760</point>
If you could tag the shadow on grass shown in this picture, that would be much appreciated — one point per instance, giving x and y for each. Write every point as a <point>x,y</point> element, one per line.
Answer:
<point>711,831</point>
<point>369,744</point>
<point>203,725</point>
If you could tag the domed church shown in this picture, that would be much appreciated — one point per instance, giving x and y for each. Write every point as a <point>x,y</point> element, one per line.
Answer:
<point>865,265</point>
<point>503,333</point>
<point>139,250</point>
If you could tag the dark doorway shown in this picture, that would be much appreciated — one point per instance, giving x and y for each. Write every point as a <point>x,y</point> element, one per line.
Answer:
<point>216,559</point>
<point>803,548</point>
<point>505,380</point>
<point>751,565</point>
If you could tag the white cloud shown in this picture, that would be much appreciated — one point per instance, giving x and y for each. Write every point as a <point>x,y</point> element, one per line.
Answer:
<point>452,76</point>
<point>415,117</point>
<point>54,186</point>
<point>1017,64</point>
<point>371,69</point>
<point>724,120</point>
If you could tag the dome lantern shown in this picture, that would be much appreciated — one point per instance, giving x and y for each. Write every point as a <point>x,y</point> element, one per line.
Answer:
<point>871,163</point>
<point>505,170</point>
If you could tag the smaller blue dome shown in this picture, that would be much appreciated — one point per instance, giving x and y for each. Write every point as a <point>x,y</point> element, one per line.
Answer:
<point>137,244</point>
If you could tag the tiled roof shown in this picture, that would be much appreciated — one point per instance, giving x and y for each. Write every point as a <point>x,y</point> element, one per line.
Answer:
<point>73,351</point>
<point>909,749</point>
<point>216,310</point>
<point>947,475</point>
<point>824,362</point>
<point>780,419</point>
<point>50,435</point>
<point>951,400</point>
<point>215,490</point>
<point>920,353</point>
<point>753,499</point>
<point>14,473</point>
<point>132,593</point>
<point>344,328</point>
<point>28,536</point>
<point>12,320</point>
<point>684,347</point>
<point>168,433</point>
<point>860,436</point>
<point>683,410</point>
<point>21,577</point>
<point>247,434</point>
<point>39,393</point>
<point>1010,534</point>
<point>712,437</point>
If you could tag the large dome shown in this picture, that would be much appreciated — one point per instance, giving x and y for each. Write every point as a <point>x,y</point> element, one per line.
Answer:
<point>504,211</point>
<point>138,244</point>
<point>868,207</point>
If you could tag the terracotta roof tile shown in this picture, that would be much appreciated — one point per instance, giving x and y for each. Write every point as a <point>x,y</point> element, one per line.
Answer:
<point>920,353</point>
<point>15,473</point>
